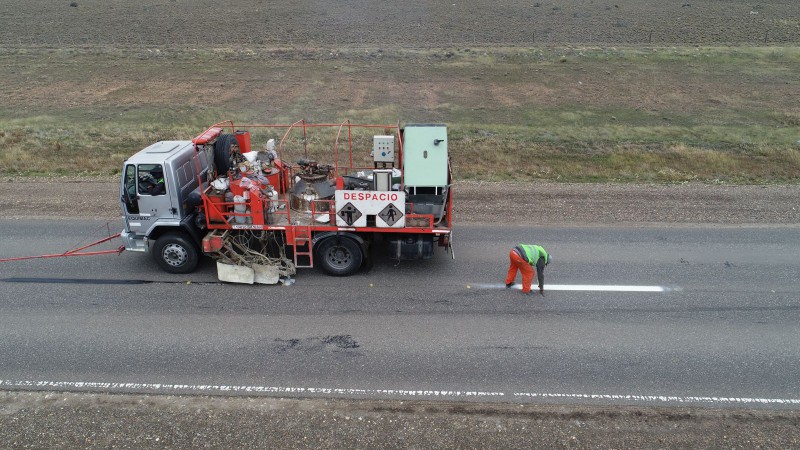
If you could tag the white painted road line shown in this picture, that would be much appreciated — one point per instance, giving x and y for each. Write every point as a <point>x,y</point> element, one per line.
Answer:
<point>405,393</point>
<point>664,398</point>
<point>607,288</point>
<point>219,389</point>
<point>581,287</point>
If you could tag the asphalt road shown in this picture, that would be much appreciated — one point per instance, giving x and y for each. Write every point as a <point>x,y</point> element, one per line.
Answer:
<point>724,331</point>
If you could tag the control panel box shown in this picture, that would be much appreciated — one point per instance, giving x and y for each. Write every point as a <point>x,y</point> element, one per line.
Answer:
<point>383,149</point>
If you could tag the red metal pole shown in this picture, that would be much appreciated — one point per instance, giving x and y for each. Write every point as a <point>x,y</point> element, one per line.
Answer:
<point>75,252</point>
<point>350,143</point>
<point>93,244</point>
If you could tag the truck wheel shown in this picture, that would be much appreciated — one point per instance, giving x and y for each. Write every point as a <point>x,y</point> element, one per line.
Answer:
<point>222,153</point>
<point>175,253</point>
<point>339,256</point>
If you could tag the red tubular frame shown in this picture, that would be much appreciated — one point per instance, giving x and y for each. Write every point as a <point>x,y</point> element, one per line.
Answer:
<point>434,227</point>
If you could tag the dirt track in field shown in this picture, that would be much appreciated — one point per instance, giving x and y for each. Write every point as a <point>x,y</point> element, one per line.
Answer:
<point>386,23</point>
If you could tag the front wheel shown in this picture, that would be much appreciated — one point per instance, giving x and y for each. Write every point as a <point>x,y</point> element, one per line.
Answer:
<point>175,253</point>
<point>339,256</point>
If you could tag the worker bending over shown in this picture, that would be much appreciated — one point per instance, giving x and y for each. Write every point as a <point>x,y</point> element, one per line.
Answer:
<point>523,257</point>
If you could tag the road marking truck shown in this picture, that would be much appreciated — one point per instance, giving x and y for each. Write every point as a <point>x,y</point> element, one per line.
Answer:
<point>265,199</point>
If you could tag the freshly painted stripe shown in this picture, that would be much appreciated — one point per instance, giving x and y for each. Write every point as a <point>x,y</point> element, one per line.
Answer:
<point>598,287</point>
<point>581,287</point>
<point>414,393</point>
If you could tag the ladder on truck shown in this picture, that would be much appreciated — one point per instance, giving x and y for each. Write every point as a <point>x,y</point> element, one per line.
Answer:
<point>301,237</point>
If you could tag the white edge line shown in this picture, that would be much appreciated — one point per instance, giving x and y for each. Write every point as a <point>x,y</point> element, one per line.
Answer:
<point>241,389</point>
<point>421,393</point>
<point>662,398</point>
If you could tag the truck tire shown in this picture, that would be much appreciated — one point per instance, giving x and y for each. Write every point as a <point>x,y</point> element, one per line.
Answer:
<point>175,253</point>
<point>339,256</point>
<point>222,153</point>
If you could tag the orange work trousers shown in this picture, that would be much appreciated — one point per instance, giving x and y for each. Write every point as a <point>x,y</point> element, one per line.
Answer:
<point>519,263</point>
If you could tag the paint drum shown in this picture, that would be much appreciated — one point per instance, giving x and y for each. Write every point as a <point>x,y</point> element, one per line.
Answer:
<point>273,177</point>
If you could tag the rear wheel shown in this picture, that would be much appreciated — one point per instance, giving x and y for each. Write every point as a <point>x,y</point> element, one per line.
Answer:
<point>339,256</point>
<point>175,253</point>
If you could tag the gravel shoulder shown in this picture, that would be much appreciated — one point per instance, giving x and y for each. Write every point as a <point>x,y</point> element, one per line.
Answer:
<point>72,420</point>
<point>540,203</point>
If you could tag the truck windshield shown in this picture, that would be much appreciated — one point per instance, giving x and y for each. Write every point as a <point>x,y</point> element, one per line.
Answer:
<point>151,179</point>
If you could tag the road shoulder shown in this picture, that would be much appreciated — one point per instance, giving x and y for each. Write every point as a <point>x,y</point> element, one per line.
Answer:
<point>87,420</point>
<point>537,203</point>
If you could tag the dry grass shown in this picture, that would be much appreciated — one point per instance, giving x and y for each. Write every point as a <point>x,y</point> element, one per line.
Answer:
<point>579,114</point>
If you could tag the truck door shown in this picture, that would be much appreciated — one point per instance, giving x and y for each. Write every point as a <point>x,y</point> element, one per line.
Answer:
<point>146,196</point>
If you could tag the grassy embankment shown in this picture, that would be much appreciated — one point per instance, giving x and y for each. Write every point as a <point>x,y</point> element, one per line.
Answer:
<point>577,114</point>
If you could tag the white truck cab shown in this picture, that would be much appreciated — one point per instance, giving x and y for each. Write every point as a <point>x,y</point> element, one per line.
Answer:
<point>157,205</point>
